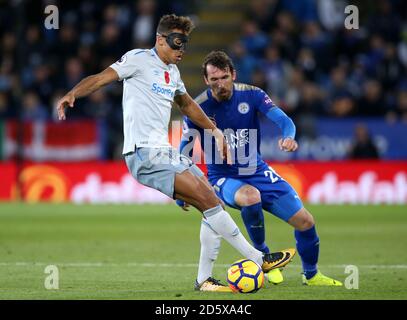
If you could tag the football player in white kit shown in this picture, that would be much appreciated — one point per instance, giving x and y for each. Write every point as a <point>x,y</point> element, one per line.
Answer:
<point>152,82</point>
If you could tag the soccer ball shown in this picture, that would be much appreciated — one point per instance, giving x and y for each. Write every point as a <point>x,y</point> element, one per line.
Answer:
<point>245,276</point>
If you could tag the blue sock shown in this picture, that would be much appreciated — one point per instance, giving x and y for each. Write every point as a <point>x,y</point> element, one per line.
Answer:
<point>254,221</point>
<point>308,249</point>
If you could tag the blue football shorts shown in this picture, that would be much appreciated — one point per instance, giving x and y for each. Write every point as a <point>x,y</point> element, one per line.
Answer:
<point>277,196</point>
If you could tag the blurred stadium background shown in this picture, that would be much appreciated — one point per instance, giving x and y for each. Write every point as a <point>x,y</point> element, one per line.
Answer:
<point>345,89</point>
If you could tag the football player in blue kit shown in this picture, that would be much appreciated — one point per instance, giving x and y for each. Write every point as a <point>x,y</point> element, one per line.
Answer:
<point>250,185</point>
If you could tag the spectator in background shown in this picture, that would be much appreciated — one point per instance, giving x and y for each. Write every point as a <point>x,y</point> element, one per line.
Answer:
<point>32,109</point>
<point>385,22</point>
<point>331,13</point>
<point>348,43</point>
<point>254,40</point>
<point>89,33</point>
<point>43,84</point>
<point>7,63</point>
<point>74,72</point>
<point>287,24</point>
<point>339,100</point>
<point>372,102</point>
<point>111,14</point>
<point>179,7</point>
<point>390,70</point>
<point>286,36</point>
<point>67,44</point>
<point>318,42</point>
<point>401,106</point>
<point>144,24</point>
<point>311,100</point>
<point>244,63</point>
<point>263,12</point>
<point>86,54</point>
<point>363,146</point>
<point>342,105</point>
<point>275,71</point>
<point>6,109</point>
<point>307,64</point>
<point>110,42</point>
<point>402,48</point>
<point>337,85</point>
<point>7,77</point>
<point>259,79</point>
<point>357,77</point>
<point>303,10</point>
<point>293,94</point>
<point>99,105</point>
<point>8,45</point>
<point>374,55</point>
<point>33,45</point>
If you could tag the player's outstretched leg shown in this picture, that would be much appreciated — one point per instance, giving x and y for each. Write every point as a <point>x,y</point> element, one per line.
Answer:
<point>248,198</point>
<point>222,223</point>
<point>308,248</point>
<point>210,245</point>
<point>194,191</point>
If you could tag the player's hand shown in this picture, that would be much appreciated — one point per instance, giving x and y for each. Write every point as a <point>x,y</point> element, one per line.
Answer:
<point>288,144</point>
<point>66,101</point>
<point>182,204</point>
<point>222,146</point>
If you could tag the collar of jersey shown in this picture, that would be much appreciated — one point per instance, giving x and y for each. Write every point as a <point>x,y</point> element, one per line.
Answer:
<point>155,53</point>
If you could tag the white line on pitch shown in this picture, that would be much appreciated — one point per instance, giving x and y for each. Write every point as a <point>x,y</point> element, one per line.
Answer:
<point>170,265</point>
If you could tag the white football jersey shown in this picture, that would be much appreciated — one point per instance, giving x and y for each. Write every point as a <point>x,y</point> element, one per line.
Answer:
<point>149,89</point>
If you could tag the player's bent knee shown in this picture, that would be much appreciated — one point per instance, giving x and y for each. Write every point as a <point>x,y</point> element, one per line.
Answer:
<point>247,196</point>
<point>302,220</point>
<point>207,198</point>
<point>308,223</point>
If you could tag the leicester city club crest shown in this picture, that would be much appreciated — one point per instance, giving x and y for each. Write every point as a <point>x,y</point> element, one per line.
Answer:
<point>243,107</point>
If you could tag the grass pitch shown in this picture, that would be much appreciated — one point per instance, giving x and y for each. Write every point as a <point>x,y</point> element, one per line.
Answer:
<point>151,252</point>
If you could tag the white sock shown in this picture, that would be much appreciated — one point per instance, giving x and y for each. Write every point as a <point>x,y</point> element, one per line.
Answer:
<point>210,245</point>
<point>222,223</point>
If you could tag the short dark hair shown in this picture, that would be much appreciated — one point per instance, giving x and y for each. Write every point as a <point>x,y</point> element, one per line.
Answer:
<point>218,59</point>
<point>170,22</point>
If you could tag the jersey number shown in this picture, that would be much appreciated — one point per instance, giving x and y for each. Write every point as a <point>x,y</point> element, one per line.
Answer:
<point>274,177</point>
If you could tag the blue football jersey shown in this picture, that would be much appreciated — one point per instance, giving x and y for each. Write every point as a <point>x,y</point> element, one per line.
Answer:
<point>238,119</point>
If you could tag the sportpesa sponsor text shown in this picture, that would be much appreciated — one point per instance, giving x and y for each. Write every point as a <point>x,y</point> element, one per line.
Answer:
<point>156,88</point>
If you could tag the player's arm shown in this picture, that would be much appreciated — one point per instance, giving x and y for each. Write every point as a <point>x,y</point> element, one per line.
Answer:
<point>278,116</point>
<point>194,112</point>
<point>85,87</point>
<point>189,135</point>
<point>287,127</point>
